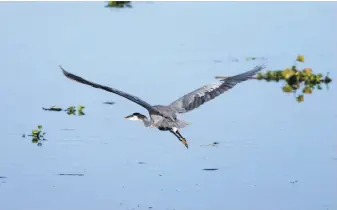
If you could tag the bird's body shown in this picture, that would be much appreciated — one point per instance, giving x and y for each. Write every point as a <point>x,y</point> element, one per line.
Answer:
<point>165,117</point>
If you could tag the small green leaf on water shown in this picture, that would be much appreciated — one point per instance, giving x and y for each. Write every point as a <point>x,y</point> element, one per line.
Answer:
<point>39,127</point>
<point>35,140</point>
<point>35,132</point>
<point>300,98</point>
<point>287,88</point>
<point>307,90</point>
<point>80,113</point>
<point>80,108</point>
<point>308,71</point>
<point>300,58</point>
<point>259,76</point>
<point>287,73</point>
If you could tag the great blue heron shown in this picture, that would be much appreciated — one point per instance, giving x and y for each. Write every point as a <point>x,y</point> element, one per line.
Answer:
<point>165,117</point>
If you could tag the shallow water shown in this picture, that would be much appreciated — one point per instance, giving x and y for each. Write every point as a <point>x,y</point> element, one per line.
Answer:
<point>273,152</point>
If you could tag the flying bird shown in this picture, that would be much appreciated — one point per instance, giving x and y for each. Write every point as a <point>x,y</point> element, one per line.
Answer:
<point>165,117</point>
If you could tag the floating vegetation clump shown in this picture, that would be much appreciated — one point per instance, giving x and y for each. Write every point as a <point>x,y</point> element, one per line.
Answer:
<point>70,110</point>
<point>119,4</point>
<point>37,135</point>
<point>295,79</point>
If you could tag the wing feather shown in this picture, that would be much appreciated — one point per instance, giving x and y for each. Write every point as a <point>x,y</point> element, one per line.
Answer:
<point>208,92</point>
<point>112,90</point>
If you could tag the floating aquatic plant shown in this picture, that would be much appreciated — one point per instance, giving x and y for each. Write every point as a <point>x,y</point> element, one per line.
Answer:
<point>295,79</point>
<point>70,110</point>
<point>119,4</point>
<point>37,135</point>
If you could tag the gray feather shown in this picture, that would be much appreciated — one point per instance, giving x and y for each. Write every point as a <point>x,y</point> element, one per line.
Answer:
<point>135,99</point>
<point>208,92</point>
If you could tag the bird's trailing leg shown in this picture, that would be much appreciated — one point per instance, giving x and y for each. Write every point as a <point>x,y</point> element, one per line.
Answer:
<point>179,136</point>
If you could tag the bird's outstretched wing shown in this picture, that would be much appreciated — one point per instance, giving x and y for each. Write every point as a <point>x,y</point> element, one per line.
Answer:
<point>208,92</point>
<point>112,90</point>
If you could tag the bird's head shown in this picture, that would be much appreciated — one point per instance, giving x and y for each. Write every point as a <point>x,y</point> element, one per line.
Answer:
<point>135,116</point>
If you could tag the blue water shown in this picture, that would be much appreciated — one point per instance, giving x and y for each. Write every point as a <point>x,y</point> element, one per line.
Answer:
<point>274,153</point>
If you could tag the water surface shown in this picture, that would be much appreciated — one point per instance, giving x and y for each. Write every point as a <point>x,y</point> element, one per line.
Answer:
<point>273,152</point>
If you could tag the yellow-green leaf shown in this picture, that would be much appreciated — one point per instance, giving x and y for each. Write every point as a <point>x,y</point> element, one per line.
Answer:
<point>80,107</point>
<point>308,71</point>
<point>35,132</point>
<point>287,88</point>
<point>307,90</point>
<point>300,58</point>
<point>35,140</point>
<point>287,73</point>
<point>300,98</point>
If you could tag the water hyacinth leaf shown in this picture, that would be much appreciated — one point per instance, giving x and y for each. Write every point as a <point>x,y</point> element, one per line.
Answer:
<point>307,71</point>
<point>294,68</point>
<point>259,76</point>
<point>300,58</point>
<point>35,132</point>
<point>119,4</point>
<point>287,73</point>
<point>35,140</point>
<point>300,98</point>
<point>307,90</point>
<point>287,89</point>
<point>80,107</point>
<point>80,113</point>
<point>71,110</point>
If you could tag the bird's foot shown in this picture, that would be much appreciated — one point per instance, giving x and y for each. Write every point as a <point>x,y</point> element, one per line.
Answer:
<point>183,140</point>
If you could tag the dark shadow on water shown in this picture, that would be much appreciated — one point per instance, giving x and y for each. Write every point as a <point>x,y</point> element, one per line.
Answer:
<point>67,129</point>
<point>210,169</point>
<point>62,174</point>
<point>293,182</point>
<point>214,144</point>
<point>109,102</point>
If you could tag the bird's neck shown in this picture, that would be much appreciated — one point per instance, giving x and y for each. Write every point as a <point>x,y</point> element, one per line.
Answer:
<point>147,123</point>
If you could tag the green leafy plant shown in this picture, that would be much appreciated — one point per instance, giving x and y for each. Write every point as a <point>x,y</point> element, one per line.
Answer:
<point>53,108</point>
<point>80,110</point>
<point>295,79</point>
<point>37,135</point>
<point>70,110</point>
<point>119,4</point>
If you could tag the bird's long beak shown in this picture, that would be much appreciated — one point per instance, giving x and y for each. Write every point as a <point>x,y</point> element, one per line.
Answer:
<point>127,117</point>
